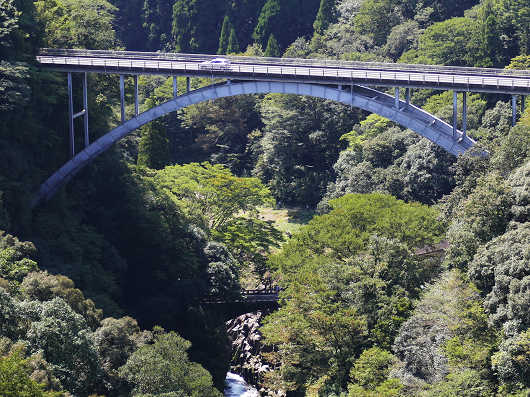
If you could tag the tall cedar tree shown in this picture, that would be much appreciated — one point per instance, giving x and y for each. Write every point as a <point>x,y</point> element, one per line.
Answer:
<point>233,43</point>
<point>268,21</point>
<point>273,48</point>
<point>325,16</point>
<point>225,33</point>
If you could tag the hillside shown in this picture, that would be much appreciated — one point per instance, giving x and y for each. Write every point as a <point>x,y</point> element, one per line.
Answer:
<point>102,287</point>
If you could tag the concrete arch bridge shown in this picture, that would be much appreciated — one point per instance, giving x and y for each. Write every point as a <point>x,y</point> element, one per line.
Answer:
<point>343,82</point>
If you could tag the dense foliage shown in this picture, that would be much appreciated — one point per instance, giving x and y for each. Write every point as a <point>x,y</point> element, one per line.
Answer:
<point>169,218</point>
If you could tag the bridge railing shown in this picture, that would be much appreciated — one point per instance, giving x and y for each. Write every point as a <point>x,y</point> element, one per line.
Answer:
<point>262,291</point>
<point>400,67</point>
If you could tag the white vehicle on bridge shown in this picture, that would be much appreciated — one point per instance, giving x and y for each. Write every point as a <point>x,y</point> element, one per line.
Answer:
<point>215,64</point>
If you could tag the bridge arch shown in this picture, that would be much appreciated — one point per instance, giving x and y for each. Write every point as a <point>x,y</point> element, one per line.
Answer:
<point>364,98</point>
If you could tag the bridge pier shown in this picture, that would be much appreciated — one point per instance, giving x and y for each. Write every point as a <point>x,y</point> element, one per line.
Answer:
<point>85,105</point>
<point>136,103</point>
<point>407,95</point>
<point>464,114</point>
<point>73,116</point>
<point>188,85</point>
<point>455,112</point>
<point>514,110</point>
<point>175,87</point>
<point>122,97</point>
<point>396,98</point>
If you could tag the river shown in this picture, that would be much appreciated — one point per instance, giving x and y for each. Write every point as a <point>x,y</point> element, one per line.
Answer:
<point>237,387</point>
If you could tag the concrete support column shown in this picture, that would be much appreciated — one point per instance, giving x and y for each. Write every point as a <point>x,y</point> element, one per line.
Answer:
<point>514,109</point>
<point>175,87</point>
<point>122,97</point>
<point>464,113</point>
<point>71,115</point>
<point>407,95</point>
<point>396,99</point>
<point>136,103</point>
<point>85,104</point>
<point>455,112</point>
<point>188,85</point>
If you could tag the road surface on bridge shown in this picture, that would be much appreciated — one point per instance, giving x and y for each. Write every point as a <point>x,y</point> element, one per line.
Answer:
<point>297,70</point>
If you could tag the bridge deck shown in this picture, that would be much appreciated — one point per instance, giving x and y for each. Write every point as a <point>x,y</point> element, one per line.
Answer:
<point>295,70</point>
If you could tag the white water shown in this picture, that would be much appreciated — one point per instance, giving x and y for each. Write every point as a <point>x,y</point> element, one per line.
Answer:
<point>237,387</point>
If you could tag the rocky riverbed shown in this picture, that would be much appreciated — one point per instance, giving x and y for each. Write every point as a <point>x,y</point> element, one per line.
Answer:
<point>247,349</point>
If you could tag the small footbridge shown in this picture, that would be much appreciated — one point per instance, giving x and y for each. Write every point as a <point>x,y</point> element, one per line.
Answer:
<point>345,82</point>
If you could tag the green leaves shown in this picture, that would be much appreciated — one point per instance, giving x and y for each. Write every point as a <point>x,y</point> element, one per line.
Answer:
<point>15,378</point>
<point>14,89</point>
<point>273,49</point>
<point>500,269</point>
<point>15,257</point>
<point>358,217</point>
<point>325,16</point>
<point>209,194</point>
<point>347,276</point>
<point>77,23</point>
<point>8,23</point>
<point>225,35</point>
<point>164,367</point>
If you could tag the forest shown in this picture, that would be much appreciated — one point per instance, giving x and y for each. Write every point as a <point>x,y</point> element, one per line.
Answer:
<point>103,289</point>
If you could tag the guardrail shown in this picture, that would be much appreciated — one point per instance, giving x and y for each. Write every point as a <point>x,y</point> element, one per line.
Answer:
<point>266,291</point>
<point>400,67</point>
<point>503,84</point>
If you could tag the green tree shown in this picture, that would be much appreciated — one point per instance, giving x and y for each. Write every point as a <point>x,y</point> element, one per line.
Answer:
<point>447,333</point>
<point>372,368</point>
<point>250,240</point>
<point>9,16</point>
<point>153,149</point>
<point>325,16</point>
<point>269,21</point>
<point>220,132</point>
<point>514,20</point>
<point>156,22</point>
<point>77,24</point>
<point>16,257</point>
<point>129,23</point>
<point>9,316</point>
<point>209,194</point>
<point>296,151</point>
<point>466,383</point>
<point>490,36</point>
<point>347,276</point>
<point>520,62</point>
<point>376,19</point>
<point>501,263</point>
<point>14,89</point>
<point>483,215</point>
<point>225,35</point>
<point>233,43</point>
<point>192,25</point>
<point>164,367</point>
<point>512,362</point>
<point>451,42</point>
<point>273,49</point>
<point>514,149</point>
<point>42,287</point>
<point>116,340</point>
<point>15,378</point>
<point>65,338</point>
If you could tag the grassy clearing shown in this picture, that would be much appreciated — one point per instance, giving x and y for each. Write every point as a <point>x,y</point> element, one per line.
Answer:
<point>288,220</point>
